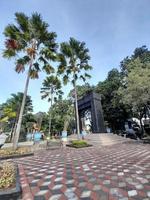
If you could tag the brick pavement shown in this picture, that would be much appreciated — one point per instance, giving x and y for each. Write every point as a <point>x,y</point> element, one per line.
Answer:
<point>120,171</point>
<point>104,139</point>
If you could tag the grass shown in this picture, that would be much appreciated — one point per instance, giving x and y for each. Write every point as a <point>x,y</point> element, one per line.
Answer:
<point>7,175</point>
<point>79,144</point>
<point>9,151</point>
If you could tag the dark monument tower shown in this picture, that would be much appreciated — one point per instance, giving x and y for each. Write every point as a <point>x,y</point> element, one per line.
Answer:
<point>92,102</point>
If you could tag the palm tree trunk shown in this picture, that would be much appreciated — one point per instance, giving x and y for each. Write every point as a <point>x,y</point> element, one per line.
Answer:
<point>13,132</point>
<point>15,125</point>
<point>50,114</point>
<point>18,128</point>
<point>49,128</point>
<point>76,110</point>
<point>50,120</point>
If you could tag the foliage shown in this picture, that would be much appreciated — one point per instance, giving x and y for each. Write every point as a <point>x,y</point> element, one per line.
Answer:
<point>114,111</point>
<point>137,89</point>
<point>29,39</point>
<point>63,115</point>
<point>74,57</point>
<point>142,53</point>
<point>82,90</point>
<point>31,44</point>
<point>52,91</point>
<point>39,118</point>
<point>51,88</point>
<point>11,108</point>
<point>16,100</point>
<point>7,175</point>
<point>79,143</point>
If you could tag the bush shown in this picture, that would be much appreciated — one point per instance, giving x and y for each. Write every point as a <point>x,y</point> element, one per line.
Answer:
<point>7,175</point>
<point>79,143</point>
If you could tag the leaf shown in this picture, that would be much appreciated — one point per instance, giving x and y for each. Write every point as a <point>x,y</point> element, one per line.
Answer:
<point>33,74</point>
<point>36,66</point>
<point>9,53</point>
<point>83,78</point>
<point>65,79</point>
<point>48,69</point>
<point>19,68</point>
<point>87,75</point>
<point>23,21</point>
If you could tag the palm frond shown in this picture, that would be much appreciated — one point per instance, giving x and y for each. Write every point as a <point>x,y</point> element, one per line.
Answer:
<point>48,54</point>
<point>66,49</point>
<point>44,96</point>
<point>11,32</point>
<point>19,68</point>
<point>83,78</point>
<point>23,21</point>
<point>9,53</point>
<point>36,66</point>
<point>73,59</point>
<point>20,64</point>
<point>39,27</point>
<point>48,69</point>
<point>65,79</point>
<point>87,75</point>
<point>34,74</point>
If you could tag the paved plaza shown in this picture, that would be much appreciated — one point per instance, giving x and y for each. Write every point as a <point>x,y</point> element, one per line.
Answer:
<point>115,168</point>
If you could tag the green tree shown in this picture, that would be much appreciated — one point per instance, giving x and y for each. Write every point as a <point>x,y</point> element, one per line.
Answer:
<point>16,100</point>
<point>63,115</point>
<point>142,53</point>
<point>30,42</point>
<point>136,90</point>
<point>74,58</point>
<point>115,111</point>
<point>11,109</point>
<point>51,90</point>
<point>82,90</point>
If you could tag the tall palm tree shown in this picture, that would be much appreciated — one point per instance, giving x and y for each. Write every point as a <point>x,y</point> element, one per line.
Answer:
<point>32,45</point>
<point>52,91</point>
<point>74,58</point>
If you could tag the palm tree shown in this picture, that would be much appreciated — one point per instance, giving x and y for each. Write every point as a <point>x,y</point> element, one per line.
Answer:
<point>30,42</point>
<point>15,103</point>
<point>74,57</point>
<point>52,91</point>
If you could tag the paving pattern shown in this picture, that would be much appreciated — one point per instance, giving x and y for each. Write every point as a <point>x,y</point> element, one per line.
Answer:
<point>112,171</point>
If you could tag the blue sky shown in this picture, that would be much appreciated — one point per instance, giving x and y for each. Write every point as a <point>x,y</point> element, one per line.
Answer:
<point>112,29</point>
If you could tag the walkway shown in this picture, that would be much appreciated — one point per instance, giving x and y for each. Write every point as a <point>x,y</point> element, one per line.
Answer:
<point>104,139</point>
<point>120,171</point>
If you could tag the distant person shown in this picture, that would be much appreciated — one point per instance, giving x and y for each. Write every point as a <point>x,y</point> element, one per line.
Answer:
<point>3,137</point>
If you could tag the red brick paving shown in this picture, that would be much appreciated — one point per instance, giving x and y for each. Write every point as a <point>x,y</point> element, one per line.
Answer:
<point>116,172</point>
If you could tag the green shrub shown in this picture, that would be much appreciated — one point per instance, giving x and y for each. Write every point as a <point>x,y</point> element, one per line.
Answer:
<point>79,143</point>
<point>7,175</point>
